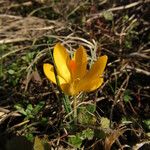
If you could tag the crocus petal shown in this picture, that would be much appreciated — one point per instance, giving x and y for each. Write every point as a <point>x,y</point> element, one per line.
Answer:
<point>81,62</point>
<point>100,65</point>
<point>97,69</point>
<point>70,89</point>
<point>61,58</point>
<point>49,72</point>
<point>93,79</point>
<point>90,85</point>
<point>66,88</point>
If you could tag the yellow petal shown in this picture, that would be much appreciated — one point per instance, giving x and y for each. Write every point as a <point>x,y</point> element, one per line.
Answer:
<point>49,72</point>
<point>100,64</point>
<point>97,68</point>
<point>81,62</point>
<point>61,58</point>
<point>93,79</point>
<point>90,85</point>
<point>66,89</point>
<point>70,89</point>
<point>73,68</point>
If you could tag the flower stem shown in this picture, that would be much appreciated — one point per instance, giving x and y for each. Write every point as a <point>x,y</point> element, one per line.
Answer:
<point>67,105</point>
<point>64,98</point>
<point>75,109</point>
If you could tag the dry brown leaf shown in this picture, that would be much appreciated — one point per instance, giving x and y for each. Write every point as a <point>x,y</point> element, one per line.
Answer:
<point>36,77</point>
<point>112,137</point>
<point>140,145</point>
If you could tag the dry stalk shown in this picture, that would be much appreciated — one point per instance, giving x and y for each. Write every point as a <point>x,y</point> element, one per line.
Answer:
<point>97,15</point>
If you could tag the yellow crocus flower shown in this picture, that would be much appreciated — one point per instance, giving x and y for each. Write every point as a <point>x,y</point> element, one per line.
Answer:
<point>72,73</point>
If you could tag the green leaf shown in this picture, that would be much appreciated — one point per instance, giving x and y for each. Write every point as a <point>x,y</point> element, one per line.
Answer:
<point>29,107</point>
<point>108,15</point>
<point>128,42</point>
<point>88,134</point>
<point>127,96</point>
<point>20,109</point>
<point>125,120</point>
<point>147,123</point>
<point>38,144</point>
<point>44,120</point>
<point>99,134</point>
<point>11,72</point>
<point>105,123</point>
<point>125,18</point>
<point>38,107</point>
<point>29,110</point>
<point>29,137</point>
<point>75,140</point>
<point>91,108</point>
<point>85,117</point>
<point>1,70</point>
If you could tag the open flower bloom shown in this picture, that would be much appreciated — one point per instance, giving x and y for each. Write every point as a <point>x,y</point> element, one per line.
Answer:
<point>72,73</point>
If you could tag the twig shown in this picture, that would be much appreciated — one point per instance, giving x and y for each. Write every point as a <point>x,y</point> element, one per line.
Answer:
<point>29,3</point>
<point>10,16</point>
<point>74,10</point>
<point>6,41</point>
<point>139,70</point>
<point>125,82</point>
<point>97,15</point>
<point>135,54</point>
